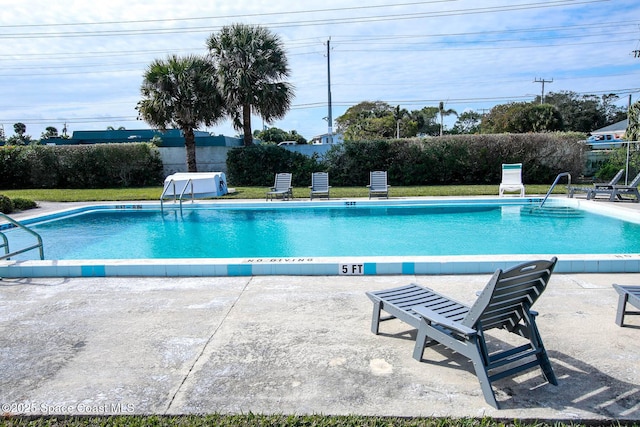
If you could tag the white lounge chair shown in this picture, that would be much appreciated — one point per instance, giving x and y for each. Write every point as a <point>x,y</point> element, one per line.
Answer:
<point>511,179</point>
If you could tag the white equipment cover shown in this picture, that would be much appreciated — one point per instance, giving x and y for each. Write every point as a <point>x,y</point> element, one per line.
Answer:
<point>198,184</point>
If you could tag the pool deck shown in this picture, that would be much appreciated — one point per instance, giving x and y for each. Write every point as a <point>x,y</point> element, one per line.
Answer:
<point>295,345</point>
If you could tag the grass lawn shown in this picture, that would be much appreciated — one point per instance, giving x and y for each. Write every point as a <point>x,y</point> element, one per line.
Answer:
<point>248,420</point>
<point>153,193</point>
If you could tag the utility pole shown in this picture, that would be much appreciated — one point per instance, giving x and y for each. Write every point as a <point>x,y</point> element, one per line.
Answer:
<point>329,118</point>
<point>543,81</point>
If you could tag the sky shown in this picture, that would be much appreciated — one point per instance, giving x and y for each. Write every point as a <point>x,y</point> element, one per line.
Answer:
<point>80,64</point>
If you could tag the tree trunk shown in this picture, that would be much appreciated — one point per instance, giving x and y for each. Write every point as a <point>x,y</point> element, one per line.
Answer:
<point>190,145</point>
<point>246,125</point>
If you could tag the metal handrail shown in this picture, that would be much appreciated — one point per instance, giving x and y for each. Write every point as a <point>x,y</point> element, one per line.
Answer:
<point>560,175</point>
<point>7,253</point>
<point>172,184</point>
<point>189,181</point>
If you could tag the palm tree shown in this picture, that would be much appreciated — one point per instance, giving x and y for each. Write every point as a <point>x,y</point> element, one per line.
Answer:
<point>181,92</point>
<point>49,132</point>
<point>19,128</point>
<point>252,66</point>
<point>443,113</point>
<point>398,115</point>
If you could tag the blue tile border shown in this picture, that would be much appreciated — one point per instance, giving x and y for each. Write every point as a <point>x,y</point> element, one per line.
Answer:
<point>408,268</point>
<point>93,271</point>
<point>629,263</point>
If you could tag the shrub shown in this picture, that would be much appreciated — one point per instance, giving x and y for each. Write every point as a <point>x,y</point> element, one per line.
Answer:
<point>81,166</point>
<point>21,204</point>
<point>454,159</point>
<point>257,165</point>
<point>618,160</point>
<point>6,204</point>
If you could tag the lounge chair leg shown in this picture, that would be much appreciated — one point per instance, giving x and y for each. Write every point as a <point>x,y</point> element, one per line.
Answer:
<point>421,341</point>
<point>622,304</point>
<point>375,318</point>
<point>483,377</point>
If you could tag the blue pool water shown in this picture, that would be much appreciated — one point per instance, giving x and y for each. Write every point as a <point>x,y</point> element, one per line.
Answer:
<point>332,231</point>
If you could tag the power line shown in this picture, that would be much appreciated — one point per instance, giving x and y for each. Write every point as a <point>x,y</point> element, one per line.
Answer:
<point>329,21</point>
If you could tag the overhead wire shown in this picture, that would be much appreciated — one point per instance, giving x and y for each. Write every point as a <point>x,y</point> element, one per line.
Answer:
<point>397,40</point>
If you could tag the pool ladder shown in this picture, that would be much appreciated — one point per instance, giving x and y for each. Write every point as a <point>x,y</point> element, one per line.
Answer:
<point>172,185</point>
<point>5,241</point>
<point>560,175</point>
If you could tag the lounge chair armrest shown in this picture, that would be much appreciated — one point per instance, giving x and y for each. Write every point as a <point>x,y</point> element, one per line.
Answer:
<point>438,319</point>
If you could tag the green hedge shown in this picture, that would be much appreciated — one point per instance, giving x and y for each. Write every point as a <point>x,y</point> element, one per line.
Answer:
<point>455,159</point>
<point>257,165</point>
<point>82,166</point>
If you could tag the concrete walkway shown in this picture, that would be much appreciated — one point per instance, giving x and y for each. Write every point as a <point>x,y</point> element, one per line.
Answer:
<point>294,345</point>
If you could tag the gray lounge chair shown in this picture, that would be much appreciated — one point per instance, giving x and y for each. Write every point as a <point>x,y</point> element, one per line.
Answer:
<point>378,184</point>
<point>281,188</point>
<point>619,192</point>
<point>627,294</point>
<point>319,185</point>
<point>597,185</point>
<point>504,303</point>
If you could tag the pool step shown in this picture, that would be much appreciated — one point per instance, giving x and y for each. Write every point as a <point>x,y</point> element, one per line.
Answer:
<point>553,212</point>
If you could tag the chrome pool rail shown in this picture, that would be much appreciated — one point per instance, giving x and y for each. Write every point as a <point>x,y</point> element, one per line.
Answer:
<point>560,175</point>
<point>5,240</point>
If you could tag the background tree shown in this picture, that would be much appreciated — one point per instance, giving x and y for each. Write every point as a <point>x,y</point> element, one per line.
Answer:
<point>19,128</point>
<point>522,117</point>
<point>442,111</point>
<point>252,68</point>
<point>49,132</point>
<point>181,92</point>
<point>377,119</point>
<point>19,138</point>
<point>427,121</point>
<point>398,115</point>
<point>468,122</point>
<point>633,128</point>
<point>276,135</point>
<point>585,113</point>
<point>366,120</point>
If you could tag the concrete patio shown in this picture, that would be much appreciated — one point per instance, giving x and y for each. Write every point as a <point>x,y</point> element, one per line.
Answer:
<point>294,345</point>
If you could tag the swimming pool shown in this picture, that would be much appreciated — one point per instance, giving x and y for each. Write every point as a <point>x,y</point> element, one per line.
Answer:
<point>410,236</point>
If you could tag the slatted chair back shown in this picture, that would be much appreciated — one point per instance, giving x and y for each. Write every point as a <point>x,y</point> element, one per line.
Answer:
<point>378,180</point>
<point>509,295</point>
<point>614,180</point>
<point>320,182</point>
<point>283,182</point>
<point>635,181</point>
